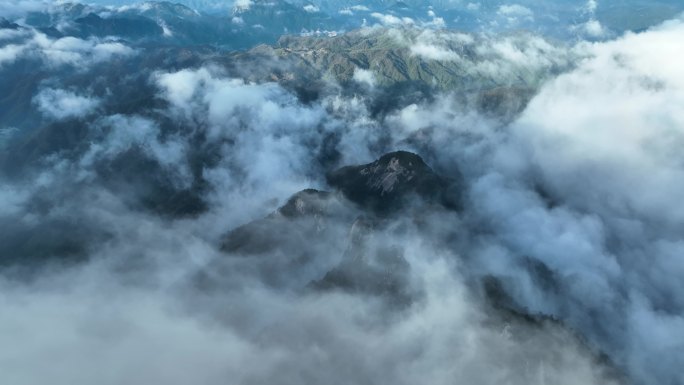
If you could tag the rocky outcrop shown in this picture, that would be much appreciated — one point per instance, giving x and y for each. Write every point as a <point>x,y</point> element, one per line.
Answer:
<point>389,183</point>
<point>349,221</point>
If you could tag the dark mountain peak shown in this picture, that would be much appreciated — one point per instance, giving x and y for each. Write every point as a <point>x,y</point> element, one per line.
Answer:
<point>385,184</point>
<point>307,213</point>
<point>405,157</point>
<point>396,170</point>
<point>368,264</point>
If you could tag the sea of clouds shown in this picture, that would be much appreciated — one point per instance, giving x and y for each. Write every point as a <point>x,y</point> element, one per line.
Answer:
<point>586,181</point>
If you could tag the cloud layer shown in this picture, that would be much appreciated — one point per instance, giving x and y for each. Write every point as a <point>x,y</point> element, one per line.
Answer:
<point>571,209</point>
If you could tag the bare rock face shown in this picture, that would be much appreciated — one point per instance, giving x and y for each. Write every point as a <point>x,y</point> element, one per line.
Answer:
<point>347,226</point>
<point>308,213</point>
<point>390,182</point>
<point>377,189</point>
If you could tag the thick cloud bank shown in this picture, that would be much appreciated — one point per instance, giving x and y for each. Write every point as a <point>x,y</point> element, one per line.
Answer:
<point>605,140</point>
<point>113,269</point>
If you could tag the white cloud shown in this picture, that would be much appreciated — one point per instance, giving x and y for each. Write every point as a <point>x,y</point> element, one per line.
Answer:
<point>620,109</point>
<point>122,132</point>
<point>10,53</point>
<point>359,8</point>
<point>391,20</point>
<point>62,104</point>
<point>527,56</point>
<point>261,119</point>
<point>591,6</point>
<point>364,76</point>
<point>167,32</point>
<point>594,28</point>
<point>602,141</point>
<point>105,51</point>
<point>436,22</point>
<point>606,140</point>
<point>269,336</point>
<point>515,12</point>
<point>473,6</point>
<point>310,8</point>
<point>433,52</point>
<point>180,87</point>
<point>9,34</point>
<point>224,102</point>
<point>433,45</point>
<point>355,8</point>
<point>242,4</point>
<point>504,60</point>
<point>64,51</point>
